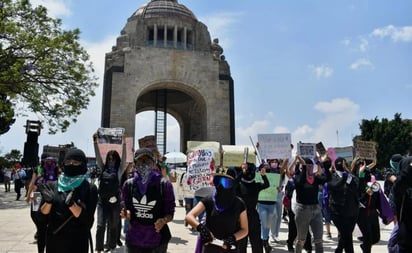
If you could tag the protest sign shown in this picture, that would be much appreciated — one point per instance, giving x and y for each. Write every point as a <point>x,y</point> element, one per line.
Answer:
<point>104,148</point>
<point>233,155</point>
<point>212,145</point>
<point>110,135</point>
<point>306,150</point>
<point>270,193</point>
<point>345,152</point>
<point>273,146</point>
<point>365,150</point>
<point>200,167</point>
<point>320,148</point>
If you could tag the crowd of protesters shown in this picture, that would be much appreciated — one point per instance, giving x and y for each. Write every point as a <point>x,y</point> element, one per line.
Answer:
<point>312,193</point>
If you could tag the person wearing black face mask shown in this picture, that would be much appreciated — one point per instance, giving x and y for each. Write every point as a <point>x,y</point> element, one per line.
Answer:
<point>343,204</point>
<point>249,190</point>
<point>69,205</point>
<point>226,218</point>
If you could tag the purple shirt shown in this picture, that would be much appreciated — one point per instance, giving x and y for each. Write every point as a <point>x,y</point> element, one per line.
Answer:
<point>145,209</point>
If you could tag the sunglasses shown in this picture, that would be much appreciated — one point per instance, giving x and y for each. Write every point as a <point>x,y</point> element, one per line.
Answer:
<point>225,182</point>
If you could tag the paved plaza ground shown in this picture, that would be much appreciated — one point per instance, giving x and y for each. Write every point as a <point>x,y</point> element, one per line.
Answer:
<point>17,230</point>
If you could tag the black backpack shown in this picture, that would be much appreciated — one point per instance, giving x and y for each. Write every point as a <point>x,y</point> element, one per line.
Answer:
<point>108,187</point>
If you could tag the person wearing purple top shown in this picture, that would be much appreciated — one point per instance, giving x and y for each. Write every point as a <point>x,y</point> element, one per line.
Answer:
<point>148,202</point>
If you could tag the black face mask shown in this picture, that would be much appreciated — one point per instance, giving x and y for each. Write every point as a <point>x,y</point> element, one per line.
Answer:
<point>339,164</point>
<point>73,170</point>
<point>224,198</point>
<point>249,176</point>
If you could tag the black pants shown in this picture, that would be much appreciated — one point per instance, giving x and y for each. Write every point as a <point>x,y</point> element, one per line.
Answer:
<point>368,224</point>
<point>41,229</point>
<point>292,233</point>
<point>254,234</point>
<point>345,226</point>
<point>18,184</point>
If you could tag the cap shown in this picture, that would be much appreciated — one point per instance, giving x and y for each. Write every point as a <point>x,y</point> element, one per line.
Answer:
<point>143,152</point>
<point>225,172</point>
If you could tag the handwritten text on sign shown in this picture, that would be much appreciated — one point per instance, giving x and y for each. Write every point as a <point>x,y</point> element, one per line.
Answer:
<point>275,145</point>
<point>200,166</point>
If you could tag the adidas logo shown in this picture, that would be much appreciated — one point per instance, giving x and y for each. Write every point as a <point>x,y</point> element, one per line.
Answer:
<point>143,209</point>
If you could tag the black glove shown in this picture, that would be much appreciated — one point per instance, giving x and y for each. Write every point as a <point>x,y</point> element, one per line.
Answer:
<point>205,235</point>
<point>230,242</point>
<point>71,198</point>
<point>47,192</point>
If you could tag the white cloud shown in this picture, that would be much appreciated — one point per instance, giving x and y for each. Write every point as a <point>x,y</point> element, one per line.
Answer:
<point>219,26</point>
<point>243,133</point>
<point>403,34</point>
<point>364,45</point>
<point>55,8</point>
<point>303,133</point>
<point>322,71</point>
<point>339,114</point>
<point>345,42</point>
<point>362,62</point>
<point>97,52</point>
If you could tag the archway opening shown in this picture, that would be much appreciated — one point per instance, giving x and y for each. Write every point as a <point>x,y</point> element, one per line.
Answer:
<point>145,125</point>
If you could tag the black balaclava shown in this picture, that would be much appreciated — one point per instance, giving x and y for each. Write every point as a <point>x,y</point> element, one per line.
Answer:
<point>224,197</point>
<point>340,164</point>
<point>72,170</point>
<point>405,168</point>
<point>248,175</point>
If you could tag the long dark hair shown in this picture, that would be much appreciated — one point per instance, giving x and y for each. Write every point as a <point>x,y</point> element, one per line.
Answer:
<point>116,158</point>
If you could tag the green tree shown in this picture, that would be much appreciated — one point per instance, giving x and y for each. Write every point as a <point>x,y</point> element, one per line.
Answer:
<point>6,114</point>
<point>13,157</point>
<point>392,137</point>
<point>43,68</point>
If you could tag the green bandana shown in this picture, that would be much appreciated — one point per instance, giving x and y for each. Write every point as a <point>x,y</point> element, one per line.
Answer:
<point>66,183</point>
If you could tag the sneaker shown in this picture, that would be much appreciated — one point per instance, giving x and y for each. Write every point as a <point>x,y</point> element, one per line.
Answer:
<point>119,243</point>
<point>285,219</point>
<point>290,248</point>
<point>275,240</point>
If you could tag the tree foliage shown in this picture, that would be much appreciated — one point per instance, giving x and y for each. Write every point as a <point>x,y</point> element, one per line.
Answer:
<point>11,158</point>
<point>42,66</point>
<point>6,114</point>
<point>392,137</point>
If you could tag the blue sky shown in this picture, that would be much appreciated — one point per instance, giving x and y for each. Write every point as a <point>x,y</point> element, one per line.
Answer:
<point>310,68</point>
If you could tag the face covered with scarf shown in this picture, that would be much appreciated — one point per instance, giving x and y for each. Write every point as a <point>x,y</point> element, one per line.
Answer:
<point>49,166</point>
<point>144,163</point>
<point>310,173</point>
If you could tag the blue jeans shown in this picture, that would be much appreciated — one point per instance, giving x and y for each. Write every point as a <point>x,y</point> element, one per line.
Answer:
<point>305,216</point>
<point>267,217</point>
<point>275,227</point>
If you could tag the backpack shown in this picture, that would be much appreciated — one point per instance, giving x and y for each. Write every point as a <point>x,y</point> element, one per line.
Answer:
<point>109,186</point>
